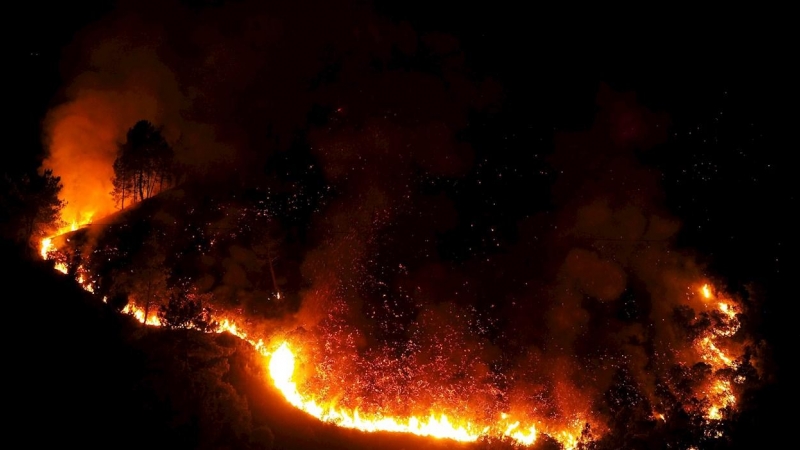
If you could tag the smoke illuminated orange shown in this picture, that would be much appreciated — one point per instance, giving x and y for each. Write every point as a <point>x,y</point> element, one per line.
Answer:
<point>82,138</point>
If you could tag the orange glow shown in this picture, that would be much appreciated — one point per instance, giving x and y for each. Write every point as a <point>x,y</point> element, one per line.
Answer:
<point>287,372</point>
<point>434,424</point>
<point>47,245</point>
<point>720,396</point>
<point>138,314</point>
<point>728,310</point>
<point>82,139</point>
<point>61,267</point>
<point>713,351</point>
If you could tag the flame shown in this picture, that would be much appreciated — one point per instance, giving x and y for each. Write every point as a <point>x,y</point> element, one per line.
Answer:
<point>138,313</point>
<point>721,394</point>
<point>281,368</point>
<point>526,438</point>
<point>728,310</point>
<point>439,425</point>
<point>47,245</point>
<point>282,365</point>
<point>721,397</point>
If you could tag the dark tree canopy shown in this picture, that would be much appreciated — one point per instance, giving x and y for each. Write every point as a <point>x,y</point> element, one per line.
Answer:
<point>144,165</point>
<point>30,209</point>
<point>185,309</point>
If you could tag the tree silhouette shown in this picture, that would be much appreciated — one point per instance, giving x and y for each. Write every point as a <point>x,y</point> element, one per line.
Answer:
<point>30,207</point>
<point>152,281</point>
<point>144,165</point>
<point>185,309</point>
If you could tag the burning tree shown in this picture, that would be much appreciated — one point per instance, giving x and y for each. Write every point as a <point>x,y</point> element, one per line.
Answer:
<point>144,165</point>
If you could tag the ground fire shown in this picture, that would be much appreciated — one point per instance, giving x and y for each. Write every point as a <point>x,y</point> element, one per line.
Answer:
<point>294,374</point>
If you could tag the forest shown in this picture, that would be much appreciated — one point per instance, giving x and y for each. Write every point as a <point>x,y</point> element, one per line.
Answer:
<point>243,225</point>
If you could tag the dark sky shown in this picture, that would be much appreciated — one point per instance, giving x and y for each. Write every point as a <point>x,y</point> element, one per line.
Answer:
<point>714,83</point>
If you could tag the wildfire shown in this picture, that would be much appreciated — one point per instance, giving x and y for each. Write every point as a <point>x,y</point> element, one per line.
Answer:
<point>138,314</point>
<point>722,397</point>
<point>47,245</point>
<point>281,361</point>
<point>721,394</point>
<point>439,425</point>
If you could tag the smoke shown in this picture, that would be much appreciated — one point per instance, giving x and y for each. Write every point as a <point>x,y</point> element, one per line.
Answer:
<point>582,300</point>
<point>228,85</point>
<point>601,295</point>
<point>83,138</point>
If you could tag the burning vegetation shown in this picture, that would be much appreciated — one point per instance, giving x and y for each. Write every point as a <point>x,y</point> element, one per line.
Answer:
<point>331,205</point>
<point>623,332</point>
<point>375,393</point>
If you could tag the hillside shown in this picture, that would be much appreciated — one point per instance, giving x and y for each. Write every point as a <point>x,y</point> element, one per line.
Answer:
<point>92,377</point>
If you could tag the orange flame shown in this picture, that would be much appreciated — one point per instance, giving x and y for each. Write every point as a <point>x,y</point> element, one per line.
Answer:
<point>706,291</point>
<point>438,425</point>
<point>138,313</point>
<point>282,363</point>
<point>721,394</point>
<point>47,245</point>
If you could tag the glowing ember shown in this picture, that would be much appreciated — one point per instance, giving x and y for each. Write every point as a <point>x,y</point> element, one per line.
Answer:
<point>439,425</point>
<point>727,310</point>
<point>282,363</point>
<point>721,394</point>
<point>721,397</point>
<point>47,246</point>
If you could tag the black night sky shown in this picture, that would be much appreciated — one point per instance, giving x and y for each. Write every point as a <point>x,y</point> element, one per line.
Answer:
<point>497,154</point>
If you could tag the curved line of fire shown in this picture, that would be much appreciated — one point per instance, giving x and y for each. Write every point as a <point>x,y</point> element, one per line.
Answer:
<point>281,363</point>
